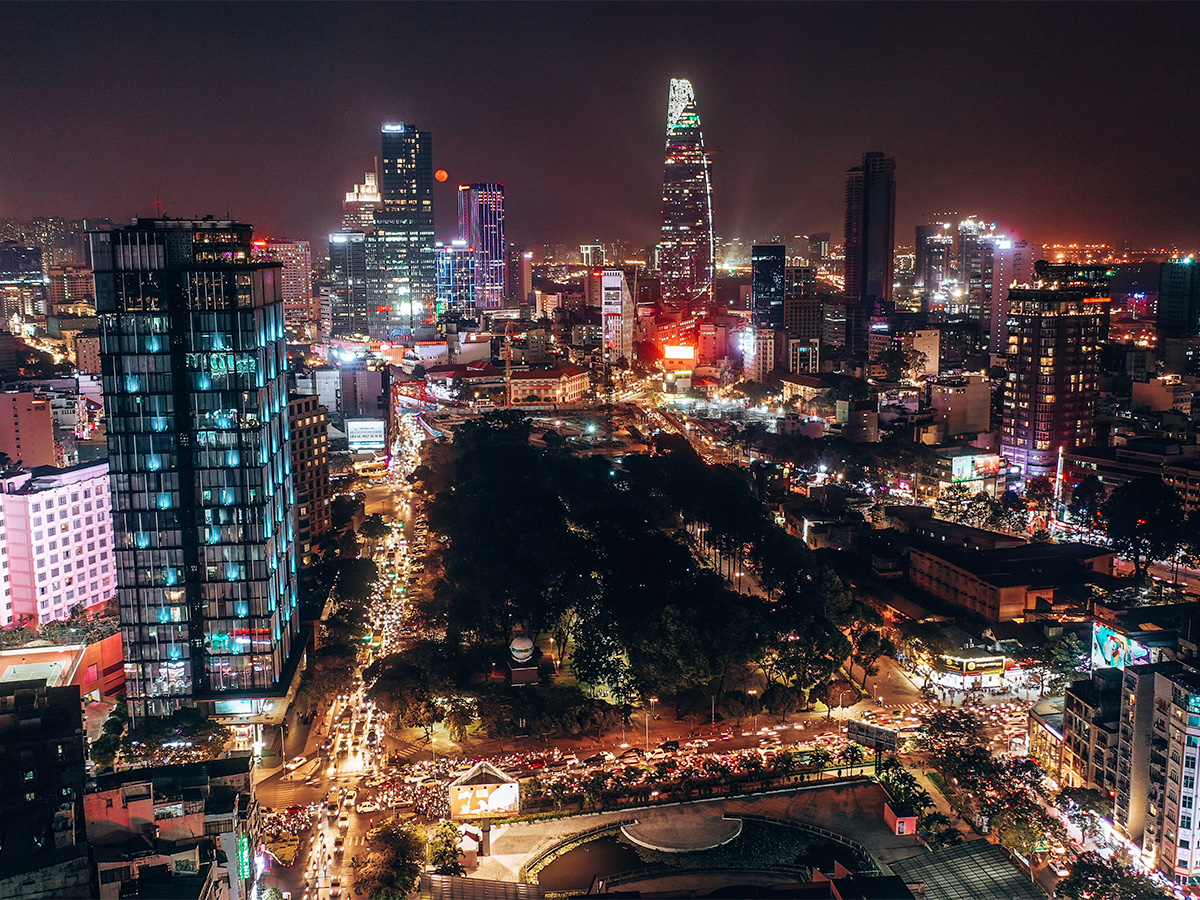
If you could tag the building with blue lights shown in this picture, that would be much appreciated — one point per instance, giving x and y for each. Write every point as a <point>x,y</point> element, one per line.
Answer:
<point>194,371</point>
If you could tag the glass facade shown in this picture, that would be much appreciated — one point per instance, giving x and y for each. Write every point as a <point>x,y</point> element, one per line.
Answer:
<point>481,225</point>
<point>194,366</point>
<point>686,248</point>
<point>402,270</point>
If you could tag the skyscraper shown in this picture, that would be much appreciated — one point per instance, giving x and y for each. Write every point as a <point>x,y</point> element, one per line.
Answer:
<point>934,247</point>
<point>348,269</point>
<point>767,264</point>
<point>195,389</point>
<point>1012,265</point>
<point>1053,375</point>
<point>617,313</point>
<point>870,242</point>
<point>686,249</point>
<point>403,272</point>
<point>361,204</point>
<point>1179,298</point>
<point>301,315</point>
<point>481,225</point>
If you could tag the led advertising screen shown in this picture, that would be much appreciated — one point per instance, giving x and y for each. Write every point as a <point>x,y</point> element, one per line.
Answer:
<point>477,801</point>
<point>1113,650</point>
<point>366,434</point>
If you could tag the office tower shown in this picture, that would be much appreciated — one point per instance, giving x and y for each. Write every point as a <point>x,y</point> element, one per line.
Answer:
<point>767,264</point>
<point>758,352</point>
<point>308,422</point>
<point>348,284</point>
<point>402,271</point>
<point>456,282</point>
<point>801,307</point>
<point>58,532</point>
<point>70,286</point>
<point>481,225</point>
<point>1012,266</point>
<point>870,243</point>
<point>301,315</point>
<point>45,851</point>
<point>361,204</point>
<point>617,314</point>
<point>22,281</point>
<point>686,249</point>
<point>520,276</point>
<point>1053,369</point>
<point>934,249</point>
<point>1179,299</point>
<point>27,435</point>
<point>195,391</point>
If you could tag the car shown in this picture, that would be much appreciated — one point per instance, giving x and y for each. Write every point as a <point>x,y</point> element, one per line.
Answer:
<point>335,887</point>
<point>367,806</point>
<point>633,753</point>
<point>339,844</point>
<point>343,821</point>
<point>697,744</point>
<point>296,763</point>
<point>669,746</point>
<point>599,759</point>
<point>348,800</point>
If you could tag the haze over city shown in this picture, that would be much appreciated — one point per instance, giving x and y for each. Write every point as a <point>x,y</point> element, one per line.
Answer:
<point>1061,122</point>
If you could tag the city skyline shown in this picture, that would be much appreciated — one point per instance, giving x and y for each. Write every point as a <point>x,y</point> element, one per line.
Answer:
<point>986,133</point>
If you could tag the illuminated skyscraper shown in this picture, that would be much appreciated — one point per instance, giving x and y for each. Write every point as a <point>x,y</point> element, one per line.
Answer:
<point>361,204</point>
<point>402,270</point>
<point>349,301</point>
<point>870,242</point>
<point>455,279</point>
<point>194,362</point>
<point>1053,375</point>
<point>481,225</point>
<point>686,249</point>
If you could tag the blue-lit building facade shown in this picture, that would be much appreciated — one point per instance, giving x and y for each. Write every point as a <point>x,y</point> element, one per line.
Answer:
<point>194,371</point>
<point>455,279</point>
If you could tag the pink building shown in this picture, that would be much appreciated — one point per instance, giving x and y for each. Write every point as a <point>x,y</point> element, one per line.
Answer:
<point>57,532</point>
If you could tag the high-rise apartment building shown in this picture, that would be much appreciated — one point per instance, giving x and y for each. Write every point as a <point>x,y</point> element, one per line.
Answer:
<point>402,271</point>
<point>301,316</point>
<point>57,535</point>
<point>617,313</point>
<point>309,427</point>
<point>456,283</point>
<point>767,284</point>
<point>1053,370</point>
<point>70,285</point>
<point>686,250</point>
<point>870,243</point>
<point>976,255</point>
<point>349,293</point>
<point>481,225</point>
<point>1012,266</point>
<point>195,390</point>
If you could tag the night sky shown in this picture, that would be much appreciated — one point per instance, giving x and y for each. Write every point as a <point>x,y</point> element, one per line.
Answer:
<point>1060,122</point>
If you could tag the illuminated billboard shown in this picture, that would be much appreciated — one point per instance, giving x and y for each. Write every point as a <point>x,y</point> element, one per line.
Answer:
<point>366,434</point>
<point>1113,650</point>
<point>484,792</point>
<point>969,468</point>
<point>686,353</point>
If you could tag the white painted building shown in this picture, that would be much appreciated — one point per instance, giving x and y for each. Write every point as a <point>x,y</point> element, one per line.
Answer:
<point>58,543</point>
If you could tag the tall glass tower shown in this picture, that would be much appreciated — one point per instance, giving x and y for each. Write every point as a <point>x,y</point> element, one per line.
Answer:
<point>403,275</point>
<point>194,365</point>
<point>481,225</point>
<point>686,249</point>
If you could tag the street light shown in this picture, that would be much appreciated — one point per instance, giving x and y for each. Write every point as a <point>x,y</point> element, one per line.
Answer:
<point>653,700</point>
<point>842,697</point>
<point>754,693</point>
